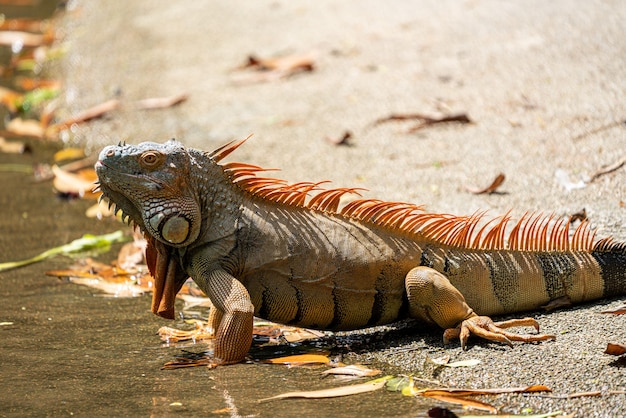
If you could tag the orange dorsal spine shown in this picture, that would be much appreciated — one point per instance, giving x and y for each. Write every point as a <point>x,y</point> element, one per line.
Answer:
<point>532,232</point>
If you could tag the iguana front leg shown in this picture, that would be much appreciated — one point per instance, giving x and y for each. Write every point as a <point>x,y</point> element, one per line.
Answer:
<point>432,298</point>
<point>232,313</point>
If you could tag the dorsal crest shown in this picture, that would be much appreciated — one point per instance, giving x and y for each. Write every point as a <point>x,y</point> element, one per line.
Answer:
<point>532,232</point>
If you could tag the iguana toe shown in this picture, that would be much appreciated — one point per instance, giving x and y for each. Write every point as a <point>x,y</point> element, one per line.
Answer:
<point>484,327</point>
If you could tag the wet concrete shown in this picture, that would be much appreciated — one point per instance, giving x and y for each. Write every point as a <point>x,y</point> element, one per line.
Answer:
<point>539,80</point>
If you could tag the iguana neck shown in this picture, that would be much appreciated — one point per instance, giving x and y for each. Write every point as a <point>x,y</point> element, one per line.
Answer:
<point>220,200</point>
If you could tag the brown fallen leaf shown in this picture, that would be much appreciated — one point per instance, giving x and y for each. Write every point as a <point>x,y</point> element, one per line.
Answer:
<point>23,24</point>
<point>580,216</point>
<point>295,335</point>
<point>615,349</point>
<point>10,99</point>
<point>189,359</point>
<point>87,115</point>
<point>620,310</point>
<point>25,39</point>
<point>131,255</point>
<point>558,303</point>
<point>608,169</point>
<point>44,171</point>
<point>13,147</point>
<point>161,102</point>
<point>334,392</point>
<point>110,279</point>
<point>300,360</point>
<point>201,333</point>
<point>426,120</point>
<point>465,402</point>
<point>29,83</point>
<point>352,370</point>
<point>270,69</point>
<point>26,127</point>
<point>69,154</point>
<point>294,62</point>
<point>80,184</point>
<point>494,391</point>
<point>341,140</point>
<point>489,189</point>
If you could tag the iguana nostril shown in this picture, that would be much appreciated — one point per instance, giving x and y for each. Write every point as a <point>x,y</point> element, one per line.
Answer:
<point>110,153</point>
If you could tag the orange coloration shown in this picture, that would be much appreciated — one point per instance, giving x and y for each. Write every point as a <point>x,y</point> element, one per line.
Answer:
<point>533,232</point>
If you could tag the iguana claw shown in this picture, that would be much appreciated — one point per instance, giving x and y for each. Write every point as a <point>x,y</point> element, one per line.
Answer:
<point>484,327</point>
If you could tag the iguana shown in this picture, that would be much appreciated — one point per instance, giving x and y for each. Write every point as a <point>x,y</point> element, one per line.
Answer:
<point>288,253</point>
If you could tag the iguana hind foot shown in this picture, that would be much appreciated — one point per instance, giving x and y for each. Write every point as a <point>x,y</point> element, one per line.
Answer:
<point>433,298</point>
<point>484,327</point>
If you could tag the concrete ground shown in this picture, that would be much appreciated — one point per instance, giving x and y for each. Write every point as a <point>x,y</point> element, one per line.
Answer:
<point>543,82</point>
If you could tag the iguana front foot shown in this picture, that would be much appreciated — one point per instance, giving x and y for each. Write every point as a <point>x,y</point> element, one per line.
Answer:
<point>484,327</point>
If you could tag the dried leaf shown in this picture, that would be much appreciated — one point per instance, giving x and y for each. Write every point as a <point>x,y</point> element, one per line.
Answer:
<point>24,39</point>
<point>334,392</point>
<point>288,63</point>
<point>10,99</point>
<point>426,120</point>
<point>202,332</point>
<point>547,415</point>
<point>558,303</point>
<point>100,210</point>
<point>465,402</point>
<point>463,363</point>
<point>161,102</point>
<point>69,154</point>
<point>80,184</point>
<point>300,360</point>
<point>579,216</point>
<point>352,370</point>
<point>29,83</point>
<point>26,127</point>
<point>489,189</point>
<point>87,115</point>
<point>607,169</point>
<point>342,140</point>
<point>615,349</point>
<point>24,24</point>
<point>496,391</point>
<point>620,310</point>
<point>271,69</point>
<point>294,335</point>
<point>12,147</point>
<point>190,359</point>
<point>127,289</point>
<point>112,280</point>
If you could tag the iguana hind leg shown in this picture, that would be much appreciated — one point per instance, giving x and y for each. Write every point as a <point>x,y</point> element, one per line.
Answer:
<point>432,298</point>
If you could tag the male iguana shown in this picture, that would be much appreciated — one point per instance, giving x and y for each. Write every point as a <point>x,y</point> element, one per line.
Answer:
<point>289,254</point>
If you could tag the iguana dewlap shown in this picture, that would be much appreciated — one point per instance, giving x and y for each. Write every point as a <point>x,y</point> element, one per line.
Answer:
<point>289,254</point>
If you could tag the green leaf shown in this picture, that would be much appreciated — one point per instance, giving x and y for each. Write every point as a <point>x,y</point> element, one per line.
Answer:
<point>87,243</point>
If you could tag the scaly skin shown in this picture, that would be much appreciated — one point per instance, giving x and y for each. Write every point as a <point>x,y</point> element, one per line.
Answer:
<point>259,247</point>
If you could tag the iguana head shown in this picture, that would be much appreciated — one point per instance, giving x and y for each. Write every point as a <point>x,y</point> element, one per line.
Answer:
<point>150,183</point>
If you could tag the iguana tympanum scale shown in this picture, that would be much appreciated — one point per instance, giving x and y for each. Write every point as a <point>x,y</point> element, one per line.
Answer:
<point>290,254</point>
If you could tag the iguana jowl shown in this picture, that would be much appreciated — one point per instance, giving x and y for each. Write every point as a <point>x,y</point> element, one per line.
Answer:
<point>289,254</point>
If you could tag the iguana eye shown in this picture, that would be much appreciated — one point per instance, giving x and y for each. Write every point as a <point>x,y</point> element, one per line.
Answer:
<point>151,159</point>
